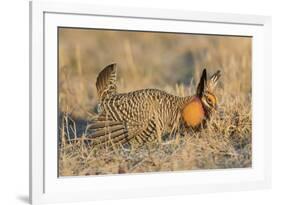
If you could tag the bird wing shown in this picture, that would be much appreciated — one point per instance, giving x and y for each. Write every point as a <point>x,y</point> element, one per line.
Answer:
<point>123,121</point>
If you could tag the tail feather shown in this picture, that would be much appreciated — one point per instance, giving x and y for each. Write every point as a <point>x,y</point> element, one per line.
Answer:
<point>106,81</point>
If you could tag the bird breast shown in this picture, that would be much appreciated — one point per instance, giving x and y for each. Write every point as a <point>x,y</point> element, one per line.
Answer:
<point>193,112</point>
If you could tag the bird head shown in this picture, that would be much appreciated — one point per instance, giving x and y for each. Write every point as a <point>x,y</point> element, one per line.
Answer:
<point>203,103</point>
<point>205,91</point>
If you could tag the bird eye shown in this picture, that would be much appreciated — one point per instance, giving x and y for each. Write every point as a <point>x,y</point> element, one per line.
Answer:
<point>209,101</point>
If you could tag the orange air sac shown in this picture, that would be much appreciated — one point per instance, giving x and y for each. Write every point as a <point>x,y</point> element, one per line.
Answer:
<point>193,113</point>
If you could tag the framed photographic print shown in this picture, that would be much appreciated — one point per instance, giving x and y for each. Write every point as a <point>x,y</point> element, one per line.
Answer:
<point>129,102</point>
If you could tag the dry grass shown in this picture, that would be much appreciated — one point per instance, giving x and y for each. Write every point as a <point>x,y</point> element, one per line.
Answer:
<point>150,60</point>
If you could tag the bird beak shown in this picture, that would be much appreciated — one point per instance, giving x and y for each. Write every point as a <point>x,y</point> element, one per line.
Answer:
<point>216,108</point>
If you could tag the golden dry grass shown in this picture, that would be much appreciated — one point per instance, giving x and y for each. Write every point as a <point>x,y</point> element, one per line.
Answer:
<point>152,60</point>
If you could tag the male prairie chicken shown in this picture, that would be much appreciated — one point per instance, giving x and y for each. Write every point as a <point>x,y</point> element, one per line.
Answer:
<point>144,115</point>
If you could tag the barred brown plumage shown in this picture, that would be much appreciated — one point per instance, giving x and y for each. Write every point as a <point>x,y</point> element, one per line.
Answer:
<point>144,115</point>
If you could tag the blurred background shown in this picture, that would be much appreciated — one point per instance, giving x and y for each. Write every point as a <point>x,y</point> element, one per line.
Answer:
<point>171,62</point>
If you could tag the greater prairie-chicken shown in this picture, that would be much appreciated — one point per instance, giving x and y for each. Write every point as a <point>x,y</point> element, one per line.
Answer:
<point>145,115</point>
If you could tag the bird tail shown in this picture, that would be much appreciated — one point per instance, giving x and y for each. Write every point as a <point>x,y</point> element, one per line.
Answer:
<point>106,81</point>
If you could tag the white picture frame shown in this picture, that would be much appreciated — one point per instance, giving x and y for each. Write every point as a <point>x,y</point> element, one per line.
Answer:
<point>45,186</point>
